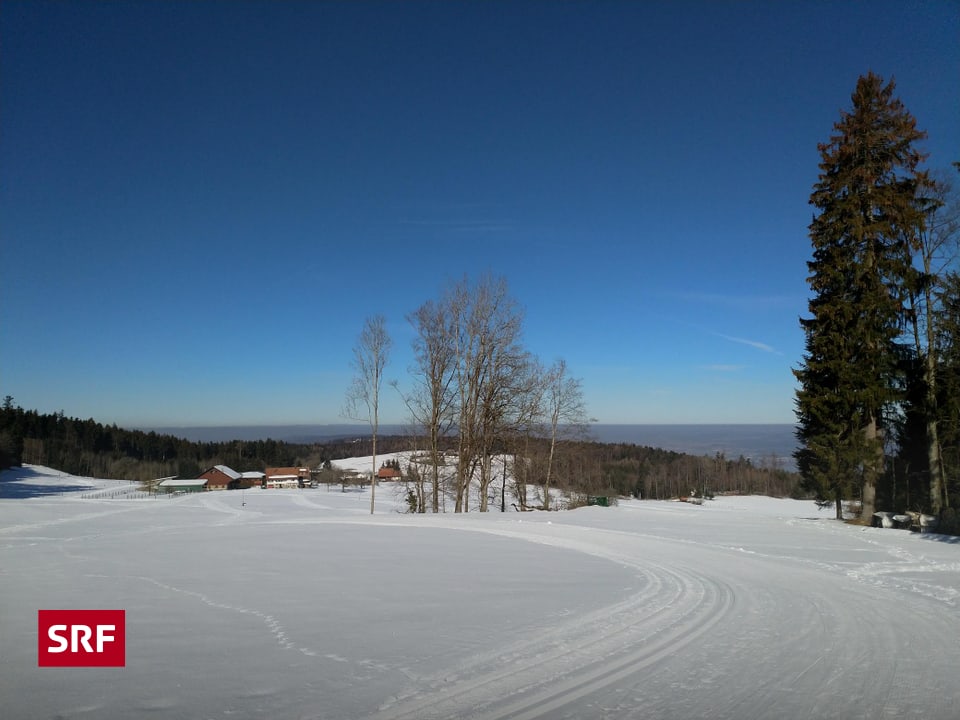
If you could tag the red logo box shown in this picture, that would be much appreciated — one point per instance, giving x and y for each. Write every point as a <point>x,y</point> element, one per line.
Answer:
<point>81,638</point>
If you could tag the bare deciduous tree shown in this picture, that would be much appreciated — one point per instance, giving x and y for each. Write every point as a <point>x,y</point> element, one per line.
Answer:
<point>487,360</point>
<point>505,408</point>
<point>566,414</point>
<point>432,401</point>
<point>370,356</point>
<point>472,375</point>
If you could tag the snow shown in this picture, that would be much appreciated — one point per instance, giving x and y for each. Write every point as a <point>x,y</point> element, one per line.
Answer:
<point>300,604</point>
<point>229,472</point>
<point>499,470</point>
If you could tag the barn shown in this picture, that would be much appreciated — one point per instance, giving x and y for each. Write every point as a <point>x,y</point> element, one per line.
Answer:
<point>174,485</point>
<point>220,477</point>
<point>252,478</point>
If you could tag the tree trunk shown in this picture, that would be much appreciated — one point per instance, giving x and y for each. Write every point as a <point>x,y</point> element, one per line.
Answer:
<point>546,482</point>
<point>934,458</point>
<point>464,462</point>
<point>871,470</point>
<point>373,479</point>
<point>485,481</point>
<point>503,487</point>
<point>436,479</point>
<point>936,467</point>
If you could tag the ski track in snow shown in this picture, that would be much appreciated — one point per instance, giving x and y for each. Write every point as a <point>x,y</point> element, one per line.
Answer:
<point>715,606</point>
<point>539,674</point>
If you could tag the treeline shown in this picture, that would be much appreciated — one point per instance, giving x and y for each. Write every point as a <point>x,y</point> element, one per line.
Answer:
<point>88,448</point>
<point>91,449</point>
<point>593,468</point>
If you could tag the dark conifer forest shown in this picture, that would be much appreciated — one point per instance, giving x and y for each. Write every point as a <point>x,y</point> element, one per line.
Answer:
<point>90,449</point>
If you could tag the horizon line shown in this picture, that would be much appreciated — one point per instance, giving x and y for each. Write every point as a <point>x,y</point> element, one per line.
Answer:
<point>407,424</point>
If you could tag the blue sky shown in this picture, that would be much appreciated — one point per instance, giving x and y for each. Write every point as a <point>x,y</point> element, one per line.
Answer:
<point>201,202</point>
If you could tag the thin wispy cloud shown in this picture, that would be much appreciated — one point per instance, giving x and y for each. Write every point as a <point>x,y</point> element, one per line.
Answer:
<point>750,343</point>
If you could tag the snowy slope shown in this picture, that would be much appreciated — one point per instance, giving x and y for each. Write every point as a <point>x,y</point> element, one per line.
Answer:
<point>300,604</point>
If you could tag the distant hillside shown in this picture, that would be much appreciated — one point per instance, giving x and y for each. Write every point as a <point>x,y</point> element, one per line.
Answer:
<point>88,448</point>
<point>762,444</point>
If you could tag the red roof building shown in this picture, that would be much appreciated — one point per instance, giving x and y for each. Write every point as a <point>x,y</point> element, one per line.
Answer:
<point>388,473</point>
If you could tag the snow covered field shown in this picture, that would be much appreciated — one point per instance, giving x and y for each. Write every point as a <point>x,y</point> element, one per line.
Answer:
<point>299,604</point>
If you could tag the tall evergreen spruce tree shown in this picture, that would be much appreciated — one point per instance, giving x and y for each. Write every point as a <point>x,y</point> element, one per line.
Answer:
<point>948,384</point>
<point>865,196</point>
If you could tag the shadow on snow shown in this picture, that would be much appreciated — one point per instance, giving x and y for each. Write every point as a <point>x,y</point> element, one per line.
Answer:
<point>15,484</point>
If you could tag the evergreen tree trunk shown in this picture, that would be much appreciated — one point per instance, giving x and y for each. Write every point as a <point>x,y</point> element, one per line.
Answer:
<point>872,470</point>
<point>936,466</point>
<point>934,454</point>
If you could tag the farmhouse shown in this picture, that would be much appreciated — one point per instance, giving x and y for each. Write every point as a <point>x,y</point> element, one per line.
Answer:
<point>220,477</point>
<point>286,477</point>
<point>388,473</point>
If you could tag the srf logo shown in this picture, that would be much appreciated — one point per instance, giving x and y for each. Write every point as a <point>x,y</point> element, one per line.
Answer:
<point>81,638</point>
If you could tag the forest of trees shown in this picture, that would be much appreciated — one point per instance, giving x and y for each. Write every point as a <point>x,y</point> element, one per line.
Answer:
<point>621,469</point>
<point>88,448</point>
<point>878,405</point>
